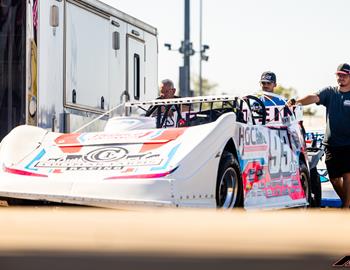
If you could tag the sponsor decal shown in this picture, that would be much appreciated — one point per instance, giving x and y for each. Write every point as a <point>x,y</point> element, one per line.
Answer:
<point>107,154</point>
<point>252,139</point>
<point>280,175</point>
<point>107,158</point>
<point>274,114</point>
<point>129,136</point>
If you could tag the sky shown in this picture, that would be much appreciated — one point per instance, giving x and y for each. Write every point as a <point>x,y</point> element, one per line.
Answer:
<point>302,41</point>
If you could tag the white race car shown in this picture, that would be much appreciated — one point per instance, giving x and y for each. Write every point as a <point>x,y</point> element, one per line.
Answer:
<point>218,151</point>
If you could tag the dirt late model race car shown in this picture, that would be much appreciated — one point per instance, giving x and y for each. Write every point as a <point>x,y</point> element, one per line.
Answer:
<point>219,152</point>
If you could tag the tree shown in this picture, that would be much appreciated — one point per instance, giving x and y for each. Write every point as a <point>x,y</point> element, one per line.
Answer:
<point>290,92</point>
<point>285,92</point>
<point>208,88</point>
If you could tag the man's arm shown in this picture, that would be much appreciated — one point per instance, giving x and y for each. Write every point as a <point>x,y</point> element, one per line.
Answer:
<point>309,99</point>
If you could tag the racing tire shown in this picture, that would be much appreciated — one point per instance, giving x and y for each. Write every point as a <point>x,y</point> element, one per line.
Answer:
<point>229,188</point>
<point>316,192</point>
<point>305,181</point>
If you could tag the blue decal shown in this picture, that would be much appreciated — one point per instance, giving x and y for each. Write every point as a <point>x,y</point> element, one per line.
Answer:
<point>81,138</point>
<point>156,134</point>
<point>243,162</point>
<point>37,158</point>
<point>170,156</point>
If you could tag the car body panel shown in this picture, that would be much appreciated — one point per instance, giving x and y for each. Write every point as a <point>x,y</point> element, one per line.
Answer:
<point>164,166</point>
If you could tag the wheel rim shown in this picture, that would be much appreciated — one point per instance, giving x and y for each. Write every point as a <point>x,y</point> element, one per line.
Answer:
<point>304,183</point>
<point>228,189</point>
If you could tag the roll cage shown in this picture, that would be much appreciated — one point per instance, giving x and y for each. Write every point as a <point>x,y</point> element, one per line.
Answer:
<point>201,110</point>
<point>192,111</point>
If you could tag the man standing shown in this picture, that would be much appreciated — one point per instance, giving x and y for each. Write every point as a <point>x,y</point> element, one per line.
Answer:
<point>337,138</point>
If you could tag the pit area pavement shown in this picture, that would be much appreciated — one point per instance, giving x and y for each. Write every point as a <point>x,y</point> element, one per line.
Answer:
<point>89,238</point>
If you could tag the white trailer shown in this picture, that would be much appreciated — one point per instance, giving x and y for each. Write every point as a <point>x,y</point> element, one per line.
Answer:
<point>63,62</point>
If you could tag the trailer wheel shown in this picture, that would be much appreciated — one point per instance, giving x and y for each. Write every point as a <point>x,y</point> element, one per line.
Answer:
<point>316,193</point>
<point>229,191</point>
<point>305,181</point>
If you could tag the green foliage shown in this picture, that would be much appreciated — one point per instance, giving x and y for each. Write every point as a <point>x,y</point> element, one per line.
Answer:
<point>208,88</point>
<point>285,92</point>
<point>291,92</point>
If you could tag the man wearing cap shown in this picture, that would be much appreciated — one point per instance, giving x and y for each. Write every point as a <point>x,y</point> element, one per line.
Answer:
<point>336,99</point>
<point>268,81</point>
<point>268,84</point>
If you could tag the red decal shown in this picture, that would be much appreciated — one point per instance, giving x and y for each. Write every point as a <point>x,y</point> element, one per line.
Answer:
<point>250,174</point>
<point>69,139</point>
<point>167,135</point>
<point>142,176</point>
<point>21,172</point>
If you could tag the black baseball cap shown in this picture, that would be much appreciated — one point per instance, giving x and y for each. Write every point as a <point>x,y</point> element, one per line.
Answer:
<point>268,76</point>
<point>343,69</point>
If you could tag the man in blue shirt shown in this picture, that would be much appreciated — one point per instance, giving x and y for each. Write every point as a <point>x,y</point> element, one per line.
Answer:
<point>268,81</point>
<point>268,84</point>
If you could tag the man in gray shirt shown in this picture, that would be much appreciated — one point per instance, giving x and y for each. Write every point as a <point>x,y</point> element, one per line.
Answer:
<point>337,138</point>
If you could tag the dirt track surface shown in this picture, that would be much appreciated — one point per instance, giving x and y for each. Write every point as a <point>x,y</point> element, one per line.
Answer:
<point>61,238</point>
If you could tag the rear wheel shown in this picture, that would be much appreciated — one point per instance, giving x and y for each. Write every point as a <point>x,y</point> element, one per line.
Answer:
<point>305,181</point>
<point>229,191</point>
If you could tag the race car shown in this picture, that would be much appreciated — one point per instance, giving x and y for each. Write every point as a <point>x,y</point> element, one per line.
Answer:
<point>219,151</point>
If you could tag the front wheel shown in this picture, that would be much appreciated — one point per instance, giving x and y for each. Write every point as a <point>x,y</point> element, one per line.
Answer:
<point>229,190</point>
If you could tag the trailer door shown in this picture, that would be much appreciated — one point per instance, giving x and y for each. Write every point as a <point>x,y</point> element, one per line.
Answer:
<point>87,58</point>
<point>135,68</point>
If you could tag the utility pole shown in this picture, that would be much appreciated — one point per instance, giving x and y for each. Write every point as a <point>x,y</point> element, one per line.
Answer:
<point>200,46</point>
<point>187,51</point>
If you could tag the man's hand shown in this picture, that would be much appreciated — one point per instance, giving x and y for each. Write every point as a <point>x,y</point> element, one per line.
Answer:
<point>291,102</point>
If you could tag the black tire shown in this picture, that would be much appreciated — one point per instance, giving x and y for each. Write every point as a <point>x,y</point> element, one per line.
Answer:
<point>305,181</point>
<point>316,192</point>
<point>229,188</point>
